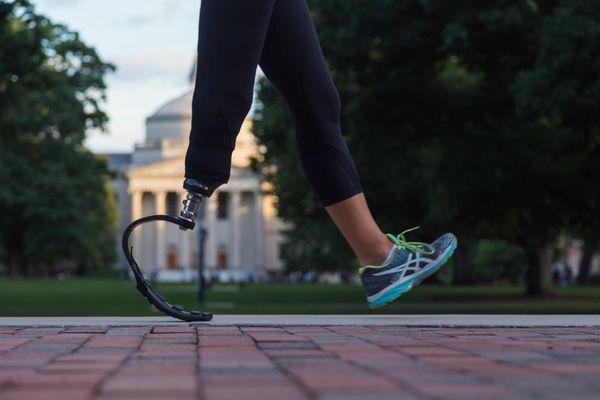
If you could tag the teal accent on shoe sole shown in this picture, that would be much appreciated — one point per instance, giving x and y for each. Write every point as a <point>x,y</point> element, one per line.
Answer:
<point>398,291</point>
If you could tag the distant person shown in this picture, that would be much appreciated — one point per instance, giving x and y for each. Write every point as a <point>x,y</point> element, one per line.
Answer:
<point>236,36</point>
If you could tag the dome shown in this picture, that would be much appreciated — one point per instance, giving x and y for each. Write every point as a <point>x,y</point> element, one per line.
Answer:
<point>180,107</point>
<point>172,120</point>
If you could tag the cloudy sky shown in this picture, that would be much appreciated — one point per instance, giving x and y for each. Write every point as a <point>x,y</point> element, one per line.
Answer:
<point>152,43</point>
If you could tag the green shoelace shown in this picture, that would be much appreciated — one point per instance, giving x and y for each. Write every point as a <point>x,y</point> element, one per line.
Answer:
<point>401,243</point>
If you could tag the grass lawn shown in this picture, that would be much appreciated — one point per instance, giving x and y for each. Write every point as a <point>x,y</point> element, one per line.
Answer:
<point>82,297</point>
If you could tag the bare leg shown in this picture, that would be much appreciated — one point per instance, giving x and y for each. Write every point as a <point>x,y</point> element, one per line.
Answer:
<point>354,220</point>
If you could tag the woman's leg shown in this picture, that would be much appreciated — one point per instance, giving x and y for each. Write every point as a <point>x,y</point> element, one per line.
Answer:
<point>293,61</point>
<point>230,42</point>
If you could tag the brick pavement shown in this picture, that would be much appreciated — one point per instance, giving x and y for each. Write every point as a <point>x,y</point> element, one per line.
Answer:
<point>187,361</point>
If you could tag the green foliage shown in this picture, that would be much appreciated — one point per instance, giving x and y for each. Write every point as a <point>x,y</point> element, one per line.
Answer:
<point>480,118</point>
<point>496,260</point>
<point>55,204</point>
<point>51,83</point>
<point>562,91</point>
<point>61,207</point>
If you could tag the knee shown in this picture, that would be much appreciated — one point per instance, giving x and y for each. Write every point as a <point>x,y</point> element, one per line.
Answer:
<point>318,127</point>
<point>317,117</point>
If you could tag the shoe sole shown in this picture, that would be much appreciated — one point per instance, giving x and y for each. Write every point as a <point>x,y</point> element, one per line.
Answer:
<point>392,292</point>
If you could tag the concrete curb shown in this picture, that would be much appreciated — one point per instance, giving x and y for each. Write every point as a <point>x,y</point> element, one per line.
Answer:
<point>449,320</point>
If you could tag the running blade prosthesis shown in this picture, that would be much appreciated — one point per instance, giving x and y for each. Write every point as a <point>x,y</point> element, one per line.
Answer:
<point>185,220</point>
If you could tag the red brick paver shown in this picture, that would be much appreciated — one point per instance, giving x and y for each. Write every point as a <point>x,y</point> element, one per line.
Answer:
<point>298,362</point>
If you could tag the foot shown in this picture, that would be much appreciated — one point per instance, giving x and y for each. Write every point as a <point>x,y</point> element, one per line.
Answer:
<point>407,265</point>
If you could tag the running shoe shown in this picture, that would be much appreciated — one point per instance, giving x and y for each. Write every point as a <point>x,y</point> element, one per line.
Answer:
<point>407,265</point>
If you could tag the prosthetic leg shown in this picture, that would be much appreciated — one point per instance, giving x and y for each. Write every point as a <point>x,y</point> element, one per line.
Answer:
<point>186,220</point>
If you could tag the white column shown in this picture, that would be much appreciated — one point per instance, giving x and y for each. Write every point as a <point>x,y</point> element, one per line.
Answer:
<point>160,204</point>
<point>210,256</point>
<point>236,233</point>
<point>260,235</point>
<point>183,245</point>
<point>136,205</point>
<point>136,213</point>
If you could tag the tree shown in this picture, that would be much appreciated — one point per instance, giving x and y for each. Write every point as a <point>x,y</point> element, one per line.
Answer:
<point>562,89</point>
<point>495,186</point>
<point>590,248</point>
<point>55,203</point>
<point>439,95</point>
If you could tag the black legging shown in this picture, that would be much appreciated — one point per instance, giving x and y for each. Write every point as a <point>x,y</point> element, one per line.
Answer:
<point>234,37</point>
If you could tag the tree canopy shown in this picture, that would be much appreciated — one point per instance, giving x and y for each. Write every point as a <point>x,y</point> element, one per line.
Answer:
<point>479,118</point>
<point>55,203</point>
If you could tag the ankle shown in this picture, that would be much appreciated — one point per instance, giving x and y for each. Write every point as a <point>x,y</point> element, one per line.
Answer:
<point>376,255</point>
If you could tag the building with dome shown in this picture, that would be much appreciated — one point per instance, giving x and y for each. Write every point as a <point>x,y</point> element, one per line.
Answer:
<point>243,232</point>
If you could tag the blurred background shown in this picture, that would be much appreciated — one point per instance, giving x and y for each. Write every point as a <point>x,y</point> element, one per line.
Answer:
<point>480,118</point>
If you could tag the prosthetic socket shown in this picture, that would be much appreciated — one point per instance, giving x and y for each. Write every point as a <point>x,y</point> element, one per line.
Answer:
<point>197,190</point>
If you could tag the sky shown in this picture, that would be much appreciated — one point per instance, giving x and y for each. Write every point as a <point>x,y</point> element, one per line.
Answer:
<point>153,45</point>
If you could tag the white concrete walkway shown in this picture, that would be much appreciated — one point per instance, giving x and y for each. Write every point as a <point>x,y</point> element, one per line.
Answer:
<point>375,319</point>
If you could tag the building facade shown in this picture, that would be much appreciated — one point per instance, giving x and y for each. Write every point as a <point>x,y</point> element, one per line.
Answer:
<point>243,232</point>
